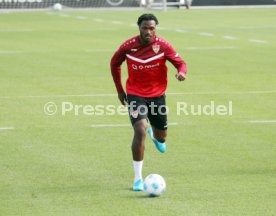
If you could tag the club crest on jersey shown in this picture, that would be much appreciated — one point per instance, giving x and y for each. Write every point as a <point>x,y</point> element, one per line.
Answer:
<point>134,114</point>
<point>155,48</point>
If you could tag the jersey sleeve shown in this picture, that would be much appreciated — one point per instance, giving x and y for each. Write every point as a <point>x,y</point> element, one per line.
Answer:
<point>115,66</point>
<point>175,59</point>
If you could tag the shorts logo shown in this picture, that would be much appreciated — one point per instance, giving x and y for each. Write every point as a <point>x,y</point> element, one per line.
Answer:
<point>155,48</point>
<point>134,114</point>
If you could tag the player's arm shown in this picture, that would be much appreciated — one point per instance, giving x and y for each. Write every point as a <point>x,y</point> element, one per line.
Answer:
<point>115,66</point>
<point>178,63</point>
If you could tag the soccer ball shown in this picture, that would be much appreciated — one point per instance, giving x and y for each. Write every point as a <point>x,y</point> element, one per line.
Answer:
<point>57,7</point>
<point>154,185</point>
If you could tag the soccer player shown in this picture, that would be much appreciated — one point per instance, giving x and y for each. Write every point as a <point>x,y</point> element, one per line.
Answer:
<point>146,56</point>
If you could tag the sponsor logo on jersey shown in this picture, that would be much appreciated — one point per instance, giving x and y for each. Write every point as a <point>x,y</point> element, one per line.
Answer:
<point>134,66</point>
<point>145,66</point>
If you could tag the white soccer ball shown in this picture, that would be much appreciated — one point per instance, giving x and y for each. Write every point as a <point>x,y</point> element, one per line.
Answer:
<point>57,7</point>
<point>154,185</point>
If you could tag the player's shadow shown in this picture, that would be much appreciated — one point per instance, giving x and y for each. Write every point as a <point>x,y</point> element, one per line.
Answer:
<point>137,194</point>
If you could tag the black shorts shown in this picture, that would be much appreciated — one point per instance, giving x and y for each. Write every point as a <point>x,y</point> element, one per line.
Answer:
<point>153,109</point>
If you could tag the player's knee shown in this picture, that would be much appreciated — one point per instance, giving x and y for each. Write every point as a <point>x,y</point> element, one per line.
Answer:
<point>140,133</point>
<point>140,130</point>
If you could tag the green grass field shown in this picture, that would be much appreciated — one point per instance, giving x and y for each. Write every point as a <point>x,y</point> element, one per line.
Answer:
<point>60,165</point>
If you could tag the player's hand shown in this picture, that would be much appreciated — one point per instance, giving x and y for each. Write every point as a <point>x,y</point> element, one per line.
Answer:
<point>180,76</point>
<point>122,98</point>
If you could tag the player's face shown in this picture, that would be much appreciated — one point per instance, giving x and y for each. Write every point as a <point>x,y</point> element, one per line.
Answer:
<point>147,31</point>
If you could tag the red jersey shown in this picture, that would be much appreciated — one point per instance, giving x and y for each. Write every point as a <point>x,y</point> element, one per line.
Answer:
<point>147,71</point>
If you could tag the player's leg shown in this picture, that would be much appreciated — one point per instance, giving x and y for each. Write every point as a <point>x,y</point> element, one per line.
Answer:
<point>158,121</point>
<point>158,137</point>
<point>138,147</point>
<point>159,134</point>
<point>138,142</point>
<point>138,117</point>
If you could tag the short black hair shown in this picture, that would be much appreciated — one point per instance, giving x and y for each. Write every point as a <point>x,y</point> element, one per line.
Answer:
<point>147,17</point>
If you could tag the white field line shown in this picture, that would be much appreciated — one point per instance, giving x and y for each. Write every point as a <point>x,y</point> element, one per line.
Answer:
<point>115,95</point>
<point>6,128</point>
<point>109,125</point>
<point>64,15</point>
<point>98,50</point>
<point>95,30</point>
<point>16,30</point>
<point>221,93</point>
<point>229,37</point>
<point>258,41</point>
<point>231,7</point>
<point>3,52</point>
<point>117,22</point>
<point>210,48</point>
<point>262,121</point>
<point>173,123</point>
<point>206,34</point>
<point>258,27</point>
<point>122,125</point>
<point>98,20</point>
<point>60,96</point>
<point>189,28</point>
<point>81,17</point>
<point>160,28</point>
<point>181,30</point>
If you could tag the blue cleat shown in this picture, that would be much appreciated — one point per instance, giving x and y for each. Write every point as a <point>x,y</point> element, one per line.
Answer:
<point>160,146</point>
<point>138,185</point>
